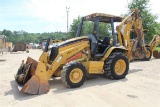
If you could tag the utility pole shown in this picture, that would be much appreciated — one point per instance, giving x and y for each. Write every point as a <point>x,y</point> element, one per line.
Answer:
<point>67,10</point>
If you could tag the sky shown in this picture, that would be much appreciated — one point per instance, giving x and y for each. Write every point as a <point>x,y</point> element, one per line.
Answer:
<point>38,16</point>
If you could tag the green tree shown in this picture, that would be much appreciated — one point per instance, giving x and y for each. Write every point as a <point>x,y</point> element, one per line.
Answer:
<point>105,29</point>
<point>148,19</point>
<point>7,33</point>
<point>157,28</point>
<point>74,26</point>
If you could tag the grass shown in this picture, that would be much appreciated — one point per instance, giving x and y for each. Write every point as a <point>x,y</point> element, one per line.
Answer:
<point>158,49</point>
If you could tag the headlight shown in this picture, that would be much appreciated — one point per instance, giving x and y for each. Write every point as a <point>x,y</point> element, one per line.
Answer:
<point>59,58</point>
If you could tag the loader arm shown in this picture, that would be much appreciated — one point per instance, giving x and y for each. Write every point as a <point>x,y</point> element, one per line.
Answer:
<point>154,42</point>
<point>34,75</point>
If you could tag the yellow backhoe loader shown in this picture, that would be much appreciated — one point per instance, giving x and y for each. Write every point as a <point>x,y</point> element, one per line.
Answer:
<point>137,49</point>
<point>74,58</point>
<point>155,41</point>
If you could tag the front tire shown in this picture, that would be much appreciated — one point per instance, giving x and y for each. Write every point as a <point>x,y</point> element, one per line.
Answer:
<point>116,66</point>
<point>73,74</point>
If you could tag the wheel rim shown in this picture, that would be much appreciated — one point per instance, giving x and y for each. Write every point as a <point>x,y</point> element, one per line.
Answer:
<point>148,54</point>
<point>76,75</point>
<point>120,67</point>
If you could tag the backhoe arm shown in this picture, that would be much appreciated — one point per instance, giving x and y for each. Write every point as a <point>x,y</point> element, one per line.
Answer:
<point>124,29</point>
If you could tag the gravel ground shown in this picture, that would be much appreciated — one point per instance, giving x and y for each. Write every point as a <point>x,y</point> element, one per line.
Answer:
<point>140,88</point>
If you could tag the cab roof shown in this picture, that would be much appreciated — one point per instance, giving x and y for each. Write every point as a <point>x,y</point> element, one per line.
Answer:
<point>103,17</point>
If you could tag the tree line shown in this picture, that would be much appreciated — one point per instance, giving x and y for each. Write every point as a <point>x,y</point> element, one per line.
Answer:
<point>23,36</point>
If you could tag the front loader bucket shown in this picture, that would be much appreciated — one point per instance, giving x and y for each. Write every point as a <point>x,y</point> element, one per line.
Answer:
<point>33,77</point>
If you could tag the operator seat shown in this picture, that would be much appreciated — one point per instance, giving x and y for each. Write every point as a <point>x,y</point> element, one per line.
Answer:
<point>106,40</point>
<point>104,44</point>
<point>93,44</point>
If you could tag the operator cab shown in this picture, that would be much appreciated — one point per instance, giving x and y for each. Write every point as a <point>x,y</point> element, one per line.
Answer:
<point>100,30</point>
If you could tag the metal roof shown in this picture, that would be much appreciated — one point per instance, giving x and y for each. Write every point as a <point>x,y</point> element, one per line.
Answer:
<point>103,17</point>
<point>2,36</point>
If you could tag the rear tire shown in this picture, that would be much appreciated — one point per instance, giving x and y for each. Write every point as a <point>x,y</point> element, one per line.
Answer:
<point>73,74</point>
<point>116,66</point>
